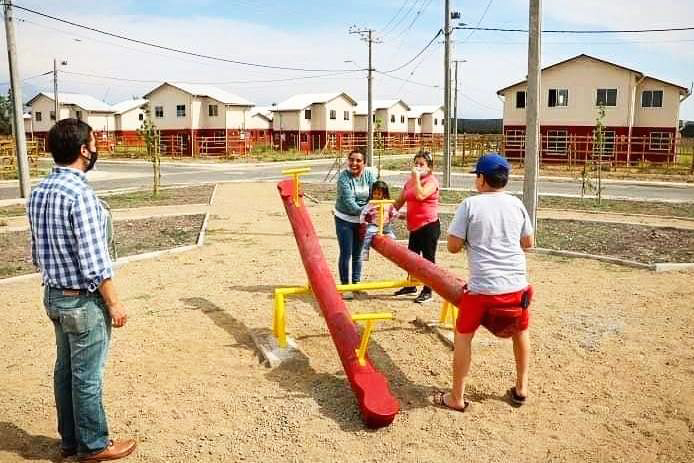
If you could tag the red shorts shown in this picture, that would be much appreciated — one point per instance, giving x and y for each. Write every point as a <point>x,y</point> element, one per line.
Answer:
<point>499,313</point>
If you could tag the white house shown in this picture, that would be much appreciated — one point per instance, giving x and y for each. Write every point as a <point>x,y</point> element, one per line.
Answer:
<point>425,120</point>
<point>389,115</point>
<point>259,123</point>
<point>306,121</point>
<point>129,116</point>
<point>641,112</point>
<point>97,114</point>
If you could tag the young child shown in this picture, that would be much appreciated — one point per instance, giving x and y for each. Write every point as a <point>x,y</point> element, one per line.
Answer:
<point>369,216</point>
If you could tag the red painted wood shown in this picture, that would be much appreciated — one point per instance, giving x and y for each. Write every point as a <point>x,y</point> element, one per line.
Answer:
<point>447,284</point>
<point>376,402</point>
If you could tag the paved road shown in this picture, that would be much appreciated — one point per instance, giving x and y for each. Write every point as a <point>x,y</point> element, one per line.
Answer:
<point>113,175</point>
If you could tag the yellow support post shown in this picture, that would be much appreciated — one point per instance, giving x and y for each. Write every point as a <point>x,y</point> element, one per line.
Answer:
<point>448,315</point>
<point>295,173</point>
<point>369,318</point>
<point>381,203</point>
<point>279,323</point>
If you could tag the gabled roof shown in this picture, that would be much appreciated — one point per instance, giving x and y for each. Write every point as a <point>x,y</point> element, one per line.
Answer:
<point>418,110</point>
<point>683,90</point>
<point>209,91</point>
<point>127,105</point>
<point>363,106</point>
<point>304,100</point>
<point>264,111</point>
<point>86,102</point>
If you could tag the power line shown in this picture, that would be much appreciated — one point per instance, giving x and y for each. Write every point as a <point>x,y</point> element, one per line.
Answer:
<point>408,81</point>
<point>477,102</point>
<point>30,77</point>
<point>484,13</point>
<point>176,50</point>
<point>383,29</point>
<point>439,32</point>
<point>580,31</point>
<point>612,42</point>
<point>387,30</point>
<point>392,30</point>
<point>228,82</point>
<point>421,10</point>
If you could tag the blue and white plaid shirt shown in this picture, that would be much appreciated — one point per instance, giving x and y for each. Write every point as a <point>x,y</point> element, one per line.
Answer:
<point>68,231</point>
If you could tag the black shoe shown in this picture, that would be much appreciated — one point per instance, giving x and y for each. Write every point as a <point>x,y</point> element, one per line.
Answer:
<point>405,290</point>
<point>423,298</point>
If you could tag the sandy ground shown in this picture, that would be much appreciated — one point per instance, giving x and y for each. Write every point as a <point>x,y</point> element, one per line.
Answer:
<point>612,371</point>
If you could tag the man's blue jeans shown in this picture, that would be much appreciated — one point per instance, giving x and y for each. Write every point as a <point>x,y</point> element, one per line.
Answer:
<point>82,333</point>
<point>350,250</point>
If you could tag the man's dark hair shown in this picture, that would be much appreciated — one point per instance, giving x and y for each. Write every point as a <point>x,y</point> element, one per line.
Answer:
<point>65,140</point>
<point>497,178</point>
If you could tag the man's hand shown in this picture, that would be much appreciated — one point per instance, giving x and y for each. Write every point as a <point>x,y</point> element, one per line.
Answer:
<point>118,314</point>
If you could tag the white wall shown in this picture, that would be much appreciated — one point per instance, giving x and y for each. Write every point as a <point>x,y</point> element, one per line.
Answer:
<point>258,122</point>
<point>129,120</point>
<point>287,120</point>
<point>168,97</point>
<point>667,116</point>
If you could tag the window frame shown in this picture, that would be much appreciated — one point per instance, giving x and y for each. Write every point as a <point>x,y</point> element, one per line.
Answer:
<point>333,115</point>
<point>307,114</point>
<point>180,110</point>
<point>657,145</point>
<point>558,92</point>
<point>525,99</point>
<point>211,112</point>
<point>606,97</point>
<point>159,112</point>
<point>652,94</point>
<point>345,115</point>
<point>557,141</point>
<point>52,115</point>
<point>38,116</point>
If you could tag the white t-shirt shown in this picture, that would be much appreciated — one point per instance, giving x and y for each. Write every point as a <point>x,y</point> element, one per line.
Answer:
<point>492,225</point>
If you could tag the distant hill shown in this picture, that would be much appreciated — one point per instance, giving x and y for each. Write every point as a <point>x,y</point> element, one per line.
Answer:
<point>480,125</point>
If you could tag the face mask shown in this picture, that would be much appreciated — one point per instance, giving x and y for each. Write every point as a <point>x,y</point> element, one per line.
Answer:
<point>92,160</point>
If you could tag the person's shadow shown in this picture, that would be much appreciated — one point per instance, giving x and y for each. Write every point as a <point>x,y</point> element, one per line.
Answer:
<point>14,439</point>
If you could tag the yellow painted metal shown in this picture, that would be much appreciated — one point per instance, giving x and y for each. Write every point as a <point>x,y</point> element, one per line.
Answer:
<point>295,173</point>
<point>377,285</point>
<point>449,314</point>
<point>370,319</point>
<point>381,203</point>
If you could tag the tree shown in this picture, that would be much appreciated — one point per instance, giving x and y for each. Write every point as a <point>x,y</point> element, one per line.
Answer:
<point>5,115</point>
<point>150,133</point>
<point>594,162</point>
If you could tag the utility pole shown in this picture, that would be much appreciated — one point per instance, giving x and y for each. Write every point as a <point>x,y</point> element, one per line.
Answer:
<point>367,36</point>
<point>447,95</point>
<point>56,105</point>
<point>17,105</point>
<point>532,121</point>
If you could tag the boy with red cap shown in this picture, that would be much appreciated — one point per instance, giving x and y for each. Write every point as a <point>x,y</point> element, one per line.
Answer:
<point>495,230</point>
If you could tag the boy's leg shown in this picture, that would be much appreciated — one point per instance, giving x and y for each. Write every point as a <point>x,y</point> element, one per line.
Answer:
<point>462,356</point>
<point>521,352</point>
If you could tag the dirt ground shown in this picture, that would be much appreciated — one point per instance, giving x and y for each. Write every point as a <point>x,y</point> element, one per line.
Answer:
<point>611,374</point>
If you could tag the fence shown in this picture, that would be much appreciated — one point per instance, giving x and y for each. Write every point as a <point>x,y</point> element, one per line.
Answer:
<point>8,159</point>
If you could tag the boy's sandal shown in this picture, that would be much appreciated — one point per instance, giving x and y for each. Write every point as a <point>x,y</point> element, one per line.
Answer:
<point>515,398</point>
<point>439,399</point>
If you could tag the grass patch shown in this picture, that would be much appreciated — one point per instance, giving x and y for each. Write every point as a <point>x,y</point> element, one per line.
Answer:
<point>132,237</point>
<point>326,192</point>
<point>167,197</point>
<point>33,172</point>
<point>640,243</point>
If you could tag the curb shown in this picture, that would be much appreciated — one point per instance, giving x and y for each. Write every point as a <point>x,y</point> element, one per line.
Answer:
<point>658,268</point>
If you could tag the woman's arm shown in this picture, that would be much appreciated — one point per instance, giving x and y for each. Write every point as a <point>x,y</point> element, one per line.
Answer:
<point>422,192</point>
<point>346,197</point>
<point>401,199</point>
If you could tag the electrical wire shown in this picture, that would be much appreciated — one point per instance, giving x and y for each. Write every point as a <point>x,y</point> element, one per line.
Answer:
<point>438,33</point>
<point>175,50</point>
<point>484,13</point>
<point>580,31</point>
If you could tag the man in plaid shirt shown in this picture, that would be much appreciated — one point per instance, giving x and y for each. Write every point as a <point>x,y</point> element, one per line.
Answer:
<point>69,246</point>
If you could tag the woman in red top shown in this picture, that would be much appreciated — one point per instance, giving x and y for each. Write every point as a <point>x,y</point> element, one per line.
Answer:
<point>421,193</point>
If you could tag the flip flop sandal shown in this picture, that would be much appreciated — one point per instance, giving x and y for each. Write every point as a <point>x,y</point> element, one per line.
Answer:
<point>439,399</point>
<point>515,398</point>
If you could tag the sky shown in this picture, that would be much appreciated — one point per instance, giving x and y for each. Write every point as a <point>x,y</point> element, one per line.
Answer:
<point>315,35</point>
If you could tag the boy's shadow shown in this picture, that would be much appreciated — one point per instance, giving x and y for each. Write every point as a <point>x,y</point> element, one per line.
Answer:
<point>28,446</point>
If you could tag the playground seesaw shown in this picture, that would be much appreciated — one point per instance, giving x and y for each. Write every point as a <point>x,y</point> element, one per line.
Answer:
<point>377,404</point>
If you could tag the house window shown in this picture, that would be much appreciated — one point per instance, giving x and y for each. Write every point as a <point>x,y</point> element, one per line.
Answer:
<point>159,112</point>
<point>652,99</point>
<point>180,110</point>
<point>660,141</point>
<point>141,117</point>
<point>38,116</point>
<point>557,141</point>
<point>212,110</point>
<point>558,97</point>
<point>606,97</point>
<point>78,115</point>
<point>345,115</point>
<point>419,121</point>
<point>373,117</point>
<point>520,99</point>
<point>392,118</point>
<point>333,114</point>
<point>52,115</point>
<point>307,114</point>
<point>436,121</point>
<point>402,119</point>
